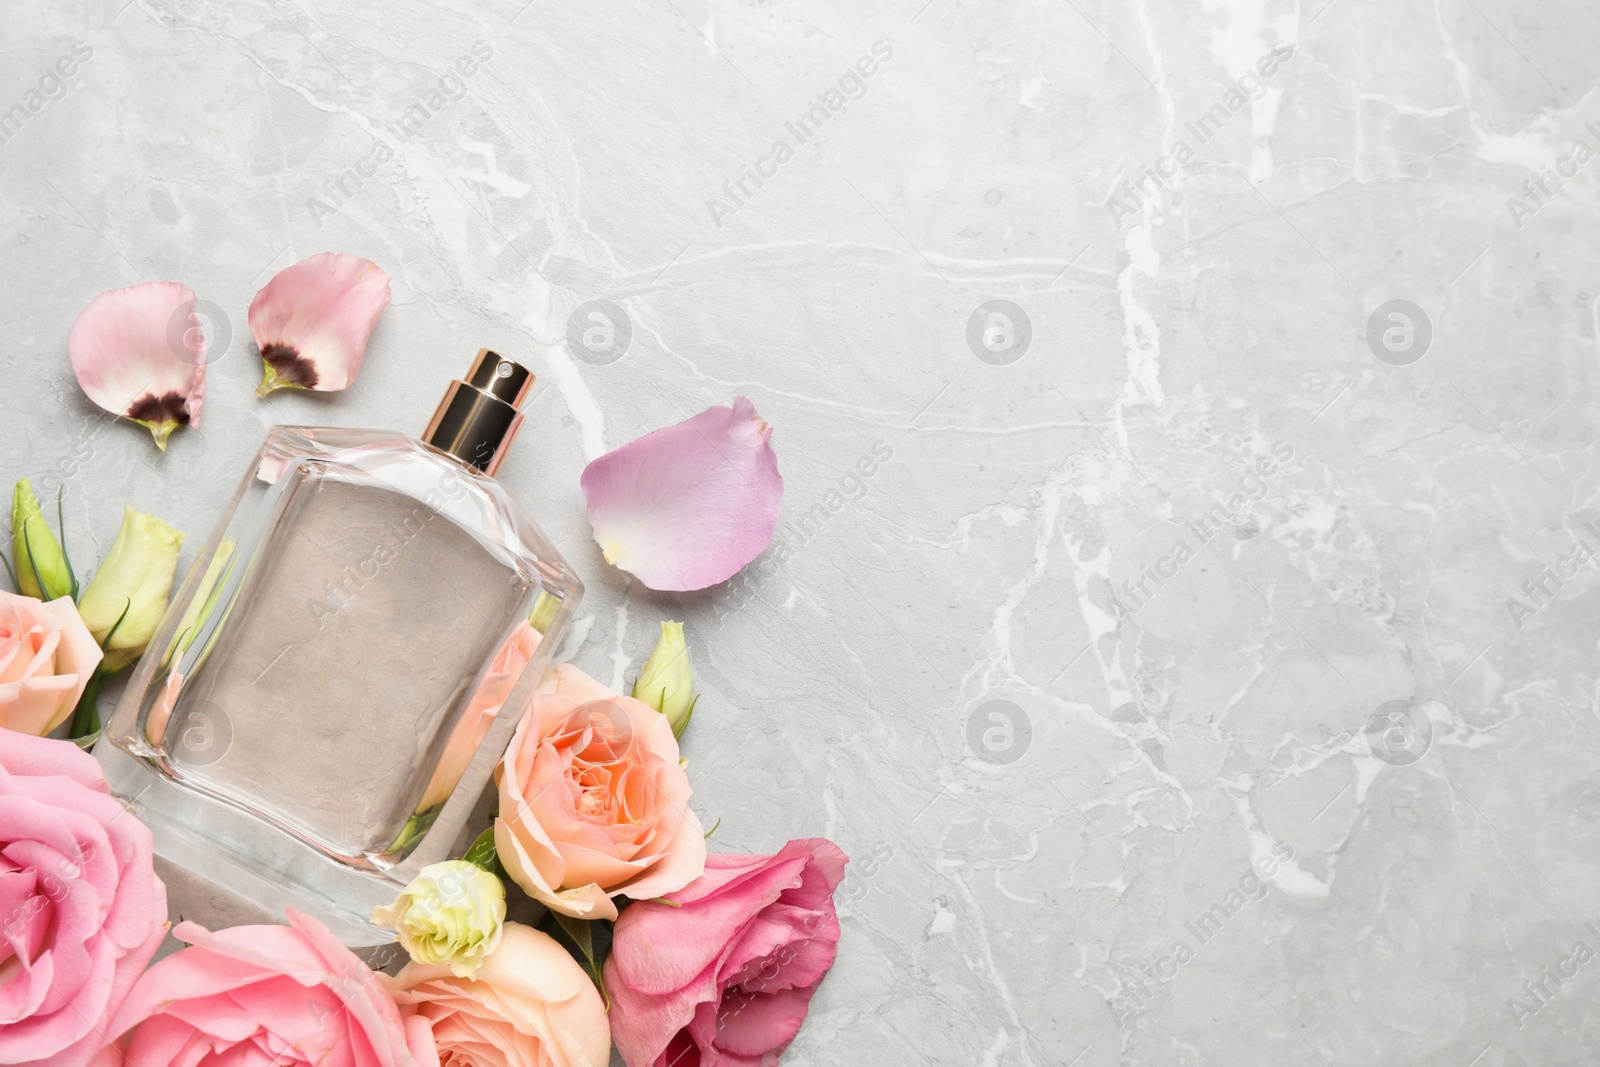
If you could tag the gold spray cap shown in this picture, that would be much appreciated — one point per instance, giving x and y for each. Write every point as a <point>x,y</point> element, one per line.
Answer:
<point>478,417</point>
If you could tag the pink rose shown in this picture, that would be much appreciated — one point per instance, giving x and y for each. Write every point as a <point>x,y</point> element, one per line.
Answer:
<point>531,1005</point>
<point>81,909</point>
<point>593,801</point>
<point>726,978</point>
<point>259,996</point>
<point>46,657</point>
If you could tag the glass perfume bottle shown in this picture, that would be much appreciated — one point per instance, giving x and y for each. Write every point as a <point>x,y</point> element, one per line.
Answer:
<point>322,704</point>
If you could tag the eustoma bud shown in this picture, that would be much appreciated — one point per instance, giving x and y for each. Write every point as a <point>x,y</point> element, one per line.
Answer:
<point>42,568</point>
<point>128,594</point>
<point>452,913</point>
<point>666,683</point>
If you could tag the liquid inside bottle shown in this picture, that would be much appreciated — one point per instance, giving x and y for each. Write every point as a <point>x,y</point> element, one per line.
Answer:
<point>344,664</point>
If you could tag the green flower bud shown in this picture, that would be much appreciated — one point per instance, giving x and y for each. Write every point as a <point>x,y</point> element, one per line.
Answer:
<point>452,913</point>
<point>666,683</point>
<point>38,555</point>
<point>128,594</point>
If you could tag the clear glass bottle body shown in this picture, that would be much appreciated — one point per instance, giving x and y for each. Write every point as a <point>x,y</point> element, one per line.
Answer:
<point>333,669</point>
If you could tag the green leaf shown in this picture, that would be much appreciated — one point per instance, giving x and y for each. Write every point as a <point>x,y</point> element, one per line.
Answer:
<point>483,854</point>
<point>33,565</point>
<point>127,605</point>
<point>105,646</point>
<point>578,932</point>
<point>11,573</point>
<point>683,724</point>
<point>61,538</point>
<point>86,716</point>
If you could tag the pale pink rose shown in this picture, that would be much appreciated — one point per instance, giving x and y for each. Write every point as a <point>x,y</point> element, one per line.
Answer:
<point>261,996</point>
<point>46,658</point>
<point>81,909</point>
<point>531,1005</point>
<point>474,724</point>
<point>726,978</point>
<point>593,801</point>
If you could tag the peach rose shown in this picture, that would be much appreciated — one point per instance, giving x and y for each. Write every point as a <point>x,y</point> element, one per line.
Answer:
<point>46,658</point>
<point>531,1005</point>
<point>593,801</point>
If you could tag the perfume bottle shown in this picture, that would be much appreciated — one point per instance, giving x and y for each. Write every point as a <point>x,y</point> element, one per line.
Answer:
<point>346,660</point>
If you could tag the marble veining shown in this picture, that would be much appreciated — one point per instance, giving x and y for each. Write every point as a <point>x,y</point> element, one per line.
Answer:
<point>1204,670</point>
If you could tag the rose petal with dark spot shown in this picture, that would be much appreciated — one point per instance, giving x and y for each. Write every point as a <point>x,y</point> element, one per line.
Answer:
<point>288,366</point>
<point>168,407</point>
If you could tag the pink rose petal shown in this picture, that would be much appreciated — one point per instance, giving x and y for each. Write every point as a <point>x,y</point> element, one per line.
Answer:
<point>137,354</point>
<point>687,506</point>
<point>312,321</point>
<point>285,995</point>
<point>756,1025</point>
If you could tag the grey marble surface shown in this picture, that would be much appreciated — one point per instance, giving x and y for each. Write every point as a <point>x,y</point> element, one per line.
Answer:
<point>1207,676</point>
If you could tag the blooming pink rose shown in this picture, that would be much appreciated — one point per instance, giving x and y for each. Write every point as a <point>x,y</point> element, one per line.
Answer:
<point>726,978</point>
<point>260,996</point>
<point>81,909</point>
<point>530,1005</point>
<point>46,657</point>
<point>593,801</point>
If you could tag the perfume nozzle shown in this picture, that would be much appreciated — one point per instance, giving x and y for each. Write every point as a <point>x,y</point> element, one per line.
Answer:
<point>478,417</point>
<point>501,377</point>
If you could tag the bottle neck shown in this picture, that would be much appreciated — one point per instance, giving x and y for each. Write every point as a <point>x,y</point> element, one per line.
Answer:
<point>478,418</point>
<point>474,427</point>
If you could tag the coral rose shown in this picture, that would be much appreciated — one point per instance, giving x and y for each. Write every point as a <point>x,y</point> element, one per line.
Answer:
<point>46,658</point>
<point>81,910</point>
<point>726,977</point>
<point>531,1005</point>
<point>593,801</point>
<point>260,996</point>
